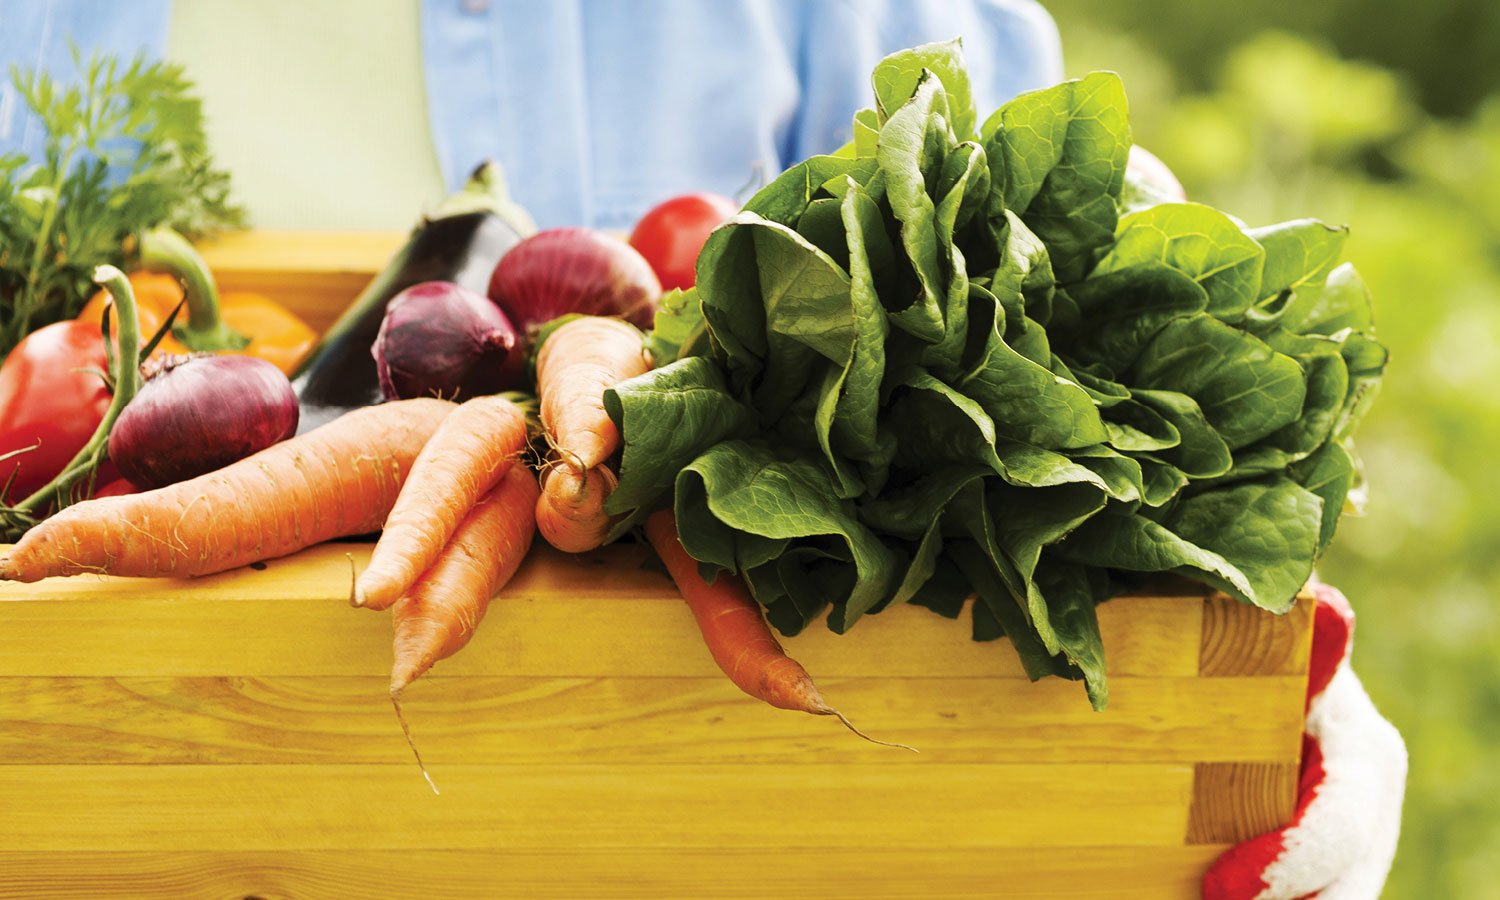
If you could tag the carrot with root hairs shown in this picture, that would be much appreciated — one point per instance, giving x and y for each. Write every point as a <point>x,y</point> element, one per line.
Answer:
<point>570,511</point>
<point>576,363</point>
<point>468,456</point>
<point>574,366</point>
<point>340,479</point>
<point>737,634</point>
<point>438,616</point>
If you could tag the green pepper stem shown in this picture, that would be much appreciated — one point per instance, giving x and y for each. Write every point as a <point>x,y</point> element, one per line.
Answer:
<point>162,249</point>
<point>127,377</point>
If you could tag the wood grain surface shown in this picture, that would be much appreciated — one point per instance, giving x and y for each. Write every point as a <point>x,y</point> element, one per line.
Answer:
<point>1016,873</point>
<point>561,616</point>
<point>1230,799</point>
<point>327,807</point>
<point>633,721</point>
<point>229,737</point>
<point>1239,639</point>
<point>314,274</point>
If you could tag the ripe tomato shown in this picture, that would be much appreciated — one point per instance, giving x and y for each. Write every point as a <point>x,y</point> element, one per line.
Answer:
<point>45,401</point>
<point>672,233</point>
<point>118,487</point>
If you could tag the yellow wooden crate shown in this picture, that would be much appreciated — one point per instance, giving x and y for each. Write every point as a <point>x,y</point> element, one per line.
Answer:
<point>230,736</point>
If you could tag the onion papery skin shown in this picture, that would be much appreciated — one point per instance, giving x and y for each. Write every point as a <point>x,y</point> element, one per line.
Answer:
<point>442,340</point>
<point>196,414</point>
<point>574,270</point>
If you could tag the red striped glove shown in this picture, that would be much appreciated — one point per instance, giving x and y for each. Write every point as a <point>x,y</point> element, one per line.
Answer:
<point>1341,840</point>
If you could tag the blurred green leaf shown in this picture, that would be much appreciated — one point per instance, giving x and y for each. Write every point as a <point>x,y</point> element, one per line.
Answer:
<point>1284,128</point>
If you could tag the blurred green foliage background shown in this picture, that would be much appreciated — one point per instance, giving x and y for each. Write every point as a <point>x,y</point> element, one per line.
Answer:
<point>1388,120</point>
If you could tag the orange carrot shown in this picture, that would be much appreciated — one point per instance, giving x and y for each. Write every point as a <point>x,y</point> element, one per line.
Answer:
<point>570,511</point>
<point>574,366</point>
<point>737,634</point>
<point>340,479</point>
<point>438,616</point>
<point>468,456</point>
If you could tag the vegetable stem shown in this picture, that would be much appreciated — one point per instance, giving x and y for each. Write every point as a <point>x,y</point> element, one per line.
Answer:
<point>127,378</point>
<point>486,192</point>
<point>163,249</point>
<point>28,303</point>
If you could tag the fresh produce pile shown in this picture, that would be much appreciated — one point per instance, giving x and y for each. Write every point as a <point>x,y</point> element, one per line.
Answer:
<point>963,357</point>
<point>125,172</point>
<point>953,359</point>
<point>125,151</point>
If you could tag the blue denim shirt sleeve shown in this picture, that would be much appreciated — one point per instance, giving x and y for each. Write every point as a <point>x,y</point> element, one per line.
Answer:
<point>41,34</point>
<point>600,108</point>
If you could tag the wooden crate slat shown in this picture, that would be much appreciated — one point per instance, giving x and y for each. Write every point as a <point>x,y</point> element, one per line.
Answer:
<point>1083,873</point>
<point>315,807</point>
<point>561,616</point>
<point>1239,639</point>
<point>322,573</point>
<point>229,736</point>
<point>1232,801</point>
<point>634,721</point>
<point>314,274</point>
<point>301,254</point>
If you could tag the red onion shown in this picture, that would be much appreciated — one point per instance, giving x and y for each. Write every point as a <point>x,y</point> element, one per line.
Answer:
<point>199,413</point>
<point>439,339</point>
<point>574,270</point>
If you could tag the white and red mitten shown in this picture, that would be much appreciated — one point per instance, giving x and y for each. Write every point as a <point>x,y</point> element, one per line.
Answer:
<point>1341,840</point>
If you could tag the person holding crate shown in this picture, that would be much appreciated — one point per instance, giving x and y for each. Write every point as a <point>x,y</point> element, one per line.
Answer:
<point>599,109</point>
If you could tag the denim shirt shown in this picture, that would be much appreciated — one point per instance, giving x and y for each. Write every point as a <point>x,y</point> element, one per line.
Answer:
<point>600,108</point>
<point>41,35</point>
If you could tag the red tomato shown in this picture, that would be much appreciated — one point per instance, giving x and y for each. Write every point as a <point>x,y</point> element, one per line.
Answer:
<point>672,233</point>
<point>116,488</point>
<point>43,398</point>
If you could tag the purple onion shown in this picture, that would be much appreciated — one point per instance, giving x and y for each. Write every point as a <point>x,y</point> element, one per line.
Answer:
<point>574,270</point>
<point>442,340</point>
<point>196,414</point>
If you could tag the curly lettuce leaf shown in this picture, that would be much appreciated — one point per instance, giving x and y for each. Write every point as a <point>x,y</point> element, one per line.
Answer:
<point>667,417</point>
<point>1199,241</point>
<point>931,366</point>
<point>750,490</point>
<point>896,77</point>
<point>1245,389</point>
<point>1057,159</point>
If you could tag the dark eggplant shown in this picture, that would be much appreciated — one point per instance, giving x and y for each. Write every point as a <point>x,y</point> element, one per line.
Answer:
<point>461,241</point>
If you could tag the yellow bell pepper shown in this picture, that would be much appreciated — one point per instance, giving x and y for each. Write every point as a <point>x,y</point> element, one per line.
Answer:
<point>235,322</point>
